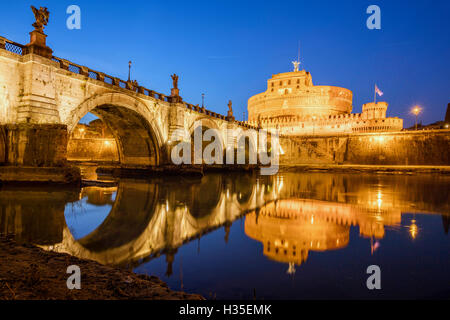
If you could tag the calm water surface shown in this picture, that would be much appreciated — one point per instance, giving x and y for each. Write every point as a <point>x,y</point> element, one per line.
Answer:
<point>239,236</point>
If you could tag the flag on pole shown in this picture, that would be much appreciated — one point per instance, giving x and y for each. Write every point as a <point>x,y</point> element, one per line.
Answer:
<point>378,91</point>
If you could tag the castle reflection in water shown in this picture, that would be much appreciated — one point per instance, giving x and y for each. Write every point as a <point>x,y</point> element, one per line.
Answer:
<point>290,214</point>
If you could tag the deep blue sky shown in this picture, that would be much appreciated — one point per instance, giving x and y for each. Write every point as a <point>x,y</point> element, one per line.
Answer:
<point>228,49</point>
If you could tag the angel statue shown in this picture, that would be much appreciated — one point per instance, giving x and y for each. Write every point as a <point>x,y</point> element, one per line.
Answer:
<point>230,108</point>
<point>42,15</point>
<point>175,81</point>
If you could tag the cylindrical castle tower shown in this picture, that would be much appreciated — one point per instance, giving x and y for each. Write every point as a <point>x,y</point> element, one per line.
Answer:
<point>292,94</point>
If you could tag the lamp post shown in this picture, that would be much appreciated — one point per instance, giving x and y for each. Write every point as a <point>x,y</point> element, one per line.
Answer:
<point>416,110</point>
<point>129,71</point>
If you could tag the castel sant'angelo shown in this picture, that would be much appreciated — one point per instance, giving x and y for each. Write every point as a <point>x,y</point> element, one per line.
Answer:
<point>295,106</point>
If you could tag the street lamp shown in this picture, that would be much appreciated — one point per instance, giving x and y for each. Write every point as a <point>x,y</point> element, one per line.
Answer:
<point>129,70</point>
<point>416,110</point>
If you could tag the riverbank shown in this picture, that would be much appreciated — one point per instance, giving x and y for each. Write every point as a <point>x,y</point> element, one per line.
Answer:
<point>352,168</point>
<point>30,273</point>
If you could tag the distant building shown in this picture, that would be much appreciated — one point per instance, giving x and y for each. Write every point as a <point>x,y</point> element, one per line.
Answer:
<point>295,106</point>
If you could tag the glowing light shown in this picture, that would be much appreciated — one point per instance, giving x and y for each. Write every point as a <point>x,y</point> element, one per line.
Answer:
<point>107,143</point>
<point>379,139</point>
<point>413,229</point>
<point>416,110</point>
<point>280,186</point>
<point>379,199</point>
<point>291,269</point>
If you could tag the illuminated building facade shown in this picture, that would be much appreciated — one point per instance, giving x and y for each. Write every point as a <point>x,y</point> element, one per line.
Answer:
<point>295,106</point>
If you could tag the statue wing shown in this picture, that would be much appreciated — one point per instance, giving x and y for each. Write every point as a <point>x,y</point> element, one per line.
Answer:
<point>35,11</point>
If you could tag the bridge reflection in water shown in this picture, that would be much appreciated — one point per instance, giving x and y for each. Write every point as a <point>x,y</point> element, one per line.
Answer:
<point>289,214</point>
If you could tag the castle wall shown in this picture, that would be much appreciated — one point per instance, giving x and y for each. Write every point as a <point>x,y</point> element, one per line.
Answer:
<point>396,148</point>
<point>410,148</point>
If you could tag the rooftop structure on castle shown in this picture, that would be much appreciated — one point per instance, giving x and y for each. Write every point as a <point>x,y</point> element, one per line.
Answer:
<point>295,106</point>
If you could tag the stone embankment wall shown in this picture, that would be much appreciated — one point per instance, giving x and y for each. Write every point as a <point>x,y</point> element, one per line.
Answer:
<point>92,149</point>
<point>399,148</point>
<point>30,145</point>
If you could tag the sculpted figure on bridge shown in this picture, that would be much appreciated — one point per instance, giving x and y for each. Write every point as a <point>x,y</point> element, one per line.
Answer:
<point>230,110</point>
<point>42,15</point>
<point>175,81</point>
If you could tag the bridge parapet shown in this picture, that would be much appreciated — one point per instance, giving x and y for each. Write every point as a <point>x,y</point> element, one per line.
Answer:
<point>75,68</point>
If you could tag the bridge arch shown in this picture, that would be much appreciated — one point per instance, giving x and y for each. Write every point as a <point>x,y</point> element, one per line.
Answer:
<point>206,124</point>
<point>133,125</point>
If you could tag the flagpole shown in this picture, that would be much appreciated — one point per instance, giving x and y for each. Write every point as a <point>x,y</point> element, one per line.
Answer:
<point>375,94</point>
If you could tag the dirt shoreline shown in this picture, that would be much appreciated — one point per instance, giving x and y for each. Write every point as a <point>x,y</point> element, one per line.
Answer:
<point>30,273</point>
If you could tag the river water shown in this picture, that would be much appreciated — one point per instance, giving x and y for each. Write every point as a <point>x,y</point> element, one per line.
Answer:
<point>243,236</point>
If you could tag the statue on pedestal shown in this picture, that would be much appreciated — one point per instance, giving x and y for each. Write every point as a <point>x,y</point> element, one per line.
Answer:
<point>230,110</point>
<point>175,91</point>
<point>175,81</point>
<point>37,43</point>
<point>42,15</point>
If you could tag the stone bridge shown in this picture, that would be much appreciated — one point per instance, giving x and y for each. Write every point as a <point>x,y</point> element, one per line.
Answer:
<point>42,99</point>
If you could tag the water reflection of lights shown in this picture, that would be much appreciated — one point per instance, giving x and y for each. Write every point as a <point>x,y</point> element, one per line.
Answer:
<point>413,229</point>
<point>291,269</point>
<point>379,199</point>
